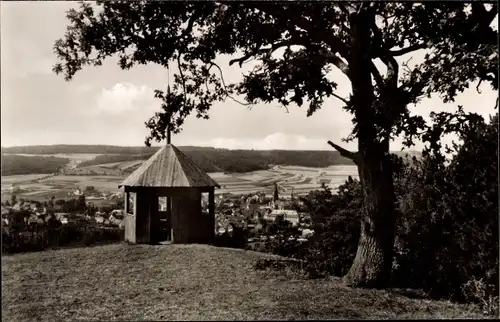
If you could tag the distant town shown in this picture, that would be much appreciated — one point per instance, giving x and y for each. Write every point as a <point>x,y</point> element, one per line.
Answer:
<point>77,186</point>
<point>253,213</point>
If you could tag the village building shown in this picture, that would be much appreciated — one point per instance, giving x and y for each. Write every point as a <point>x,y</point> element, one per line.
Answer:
<point>116,217</point>
<point>78,192</point>
<point>288,215</point>
<point>99,219</point>
<point>163,200</point>
<point>14,188</point>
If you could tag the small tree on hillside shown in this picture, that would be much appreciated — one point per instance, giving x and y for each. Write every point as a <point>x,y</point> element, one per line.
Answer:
<point>295,46</point>
<point>51,202</point>
<point>81,204</point>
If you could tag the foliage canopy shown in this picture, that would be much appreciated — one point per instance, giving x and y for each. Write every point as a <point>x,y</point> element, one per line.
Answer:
<point>295,46</point>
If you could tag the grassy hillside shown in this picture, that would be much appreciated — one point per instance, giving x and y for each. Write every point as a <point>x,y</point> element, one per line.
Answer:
<point>186,282</point>
<point>19,164</point>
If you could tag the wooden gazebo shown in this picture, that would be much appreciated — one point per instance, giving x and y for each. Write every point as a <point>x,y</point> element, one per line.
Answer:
<point>163,200</point>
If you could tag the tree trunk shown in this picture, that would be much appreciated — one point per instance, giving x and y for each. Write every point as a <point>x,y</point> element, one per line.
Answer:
<point>373,262</point>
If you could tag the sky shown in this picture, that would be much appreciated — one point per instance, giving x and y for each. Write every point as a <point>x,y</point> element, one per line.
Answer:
<point>105,105</point>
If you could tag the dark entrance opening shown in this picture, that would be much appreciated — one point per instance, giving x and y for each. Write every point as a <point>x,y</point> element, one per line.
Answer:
<point>162,221</point>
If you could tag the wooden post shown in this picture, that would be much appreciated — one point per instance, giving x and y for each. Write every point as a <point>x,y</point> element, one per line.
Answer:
<point>211,202</point>
<point>211,212</point>
<point>126,203</point>
<point>169,217</point>
<point>169,115</point>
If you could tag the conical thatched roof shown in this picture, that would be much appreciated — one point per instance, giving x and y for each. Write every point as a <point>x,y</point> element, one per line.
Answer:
<point>169,167</point>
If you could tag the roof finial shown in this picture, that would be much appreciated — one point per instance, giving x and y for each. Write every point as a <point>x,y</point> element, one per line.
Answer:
<point>168,134</point>
<point>168,99</point>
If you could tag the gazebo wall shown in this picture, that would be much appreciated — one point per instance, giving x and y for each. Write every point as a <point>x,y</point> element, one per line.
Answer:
<point>188,223</point>
<point>203,225</point>
<point>129,223</point>
<point>143,216</point>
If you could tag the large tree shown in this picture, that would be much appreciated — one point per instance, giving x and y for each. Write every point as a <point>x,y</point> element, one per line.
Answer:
<point>295,46</point>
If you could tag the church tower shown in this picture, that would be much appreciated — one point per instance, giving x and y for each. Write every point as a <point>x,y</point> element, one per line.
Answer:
<point>276,197</point>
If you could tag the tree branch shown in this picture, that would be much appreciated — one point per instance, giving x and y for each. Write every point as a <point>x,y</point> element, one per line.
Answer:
<point>345,153</point>
<point>380,51</point>
<point>274,47</point>
<point>212,64</point>
<point>409,49</point>
<point>336,60</point>
<point>314,34</point>
<point>297,41</point>
<point>183,79</point>
<point>376,74</point>
<point>384,54</point>
<point>189,28</point>
<point>477,87</point>
<point>346,8</point>
<point>341,98</point>
<point>392,70</point>
<point>483,16</point>
<point>317,34</point>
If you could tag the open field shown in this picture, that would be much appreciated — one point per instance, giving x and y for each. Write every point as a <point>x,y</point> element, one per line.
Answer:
<point>60,186</point>
<point>187,282</point>
<point>16,179</point>
<point>114,168</point>
<point>300,179</point>
<point>123,165</point>
<point>71,156</point>
<point>94,170</point>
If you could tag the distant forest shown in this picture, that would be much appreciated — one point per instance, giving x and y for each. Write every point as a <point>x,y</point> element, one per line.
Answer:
<point>223,160</point>
<point>19,164</point>
<point>209,159</point>
<point>62,148</point>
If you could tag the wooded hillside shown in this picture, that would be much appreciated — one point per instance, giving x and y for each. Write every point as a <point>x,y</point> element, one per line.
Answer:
<point>20,164</point>
<point>215,160</point>
<point>208,158</point>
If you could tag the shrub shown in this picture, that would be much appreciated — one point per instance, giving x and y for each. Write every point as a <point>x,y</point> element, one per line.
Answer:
<point>447,225</point>
<point>477,291</point>
<point>335,221</point>
<point>447,234</point>
<point>44,237</point>
<point>237,238</point>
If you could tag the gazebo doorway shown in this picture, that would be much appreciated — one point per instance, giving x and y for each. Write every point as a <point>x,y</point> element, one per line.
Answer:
<point>162,225</point>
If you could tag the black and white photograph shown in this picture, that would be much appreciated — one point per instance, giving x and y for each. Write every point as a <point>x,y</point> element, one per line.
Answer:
<point>249,160</point>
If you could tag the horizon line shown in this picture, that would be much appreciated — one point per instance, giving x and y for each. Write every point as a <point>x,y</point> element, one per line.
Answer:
<point>180,146</point>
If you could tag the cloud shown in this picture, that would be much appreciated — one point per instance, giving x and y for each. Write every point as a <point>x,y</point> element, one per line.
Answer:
<point>275,141</point>
<point>122,98</point>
